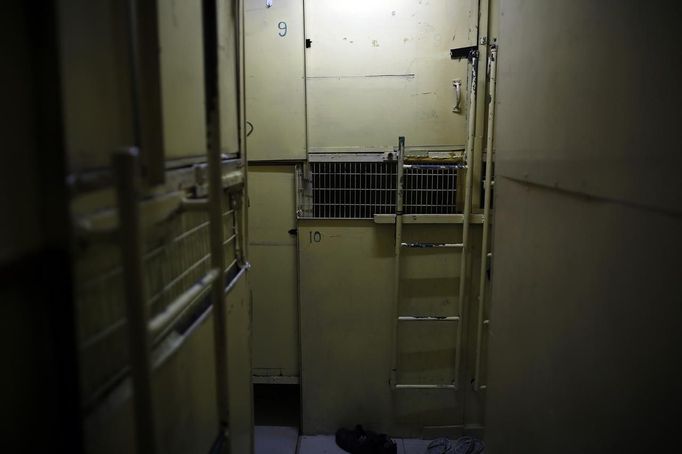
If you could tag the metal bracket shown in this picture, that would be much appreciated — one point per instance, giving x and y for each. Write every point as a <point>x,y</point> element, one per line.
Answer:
<point>463,52</point>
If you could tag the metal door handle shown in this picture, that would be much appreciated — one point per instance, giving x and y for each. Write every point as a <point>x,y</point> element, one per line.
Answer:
<point>458,95</point>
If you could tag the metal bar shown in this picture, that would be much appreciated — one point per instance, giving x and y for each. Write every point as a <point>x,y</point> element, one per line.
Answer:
<point>159,324</point>
<point>229,267</point>
<point>239,43</point>
<point>330,152</point>
<point>126,177</point>
<point>215,200</point>
<point>102,226</point>
<point>356,189</point>
<point>486,218</point>
<point>419,318</point>
<point>145,62</point>
<point>165,352</point>
<point>433,166</point>
<point>275,380</point>
<point>426,386</point>
<point>153,253</point>
<point>236,218</point>
<point>229,240</point>
<point>234,281</point>
<point>173,347</point>
<point>396,261</point>
<point>428,218</point>
<point>467,214</point>
<point>211,28</point>
<point>360,188</point>
<point>421,195</point>
<point>351,190</point>
<point>178,278</point>
<point>218,262</point>
<point>432,190</point>
<point>432,245</point>
<point>483,40</point>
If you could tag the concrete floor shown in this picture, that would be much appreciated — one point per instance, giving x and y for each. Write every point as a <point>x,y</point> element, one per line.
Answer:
<point>285,440</point>
<point>276,440</point>
<point>324,444</point>
<point>277,417</point>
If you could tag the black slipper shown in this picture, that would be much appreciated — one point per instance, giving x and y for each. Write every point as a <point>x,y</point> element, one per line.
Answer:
<point>359,441</point>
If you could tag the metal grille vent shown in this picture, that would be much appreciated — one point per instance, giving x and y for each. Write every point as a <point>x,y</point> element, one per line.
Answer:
<point>430,189</point>
<point>359,190</point>
<point>353,190</point>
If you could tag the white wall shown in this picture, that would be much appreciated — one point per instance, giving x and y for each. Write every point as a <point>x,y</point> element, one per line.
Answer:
<point>583,342</point>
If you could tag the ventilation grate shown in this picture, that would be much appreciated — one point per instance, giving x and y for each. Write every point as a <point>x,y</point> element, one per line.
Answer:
<point>359,190</point>
<point>353,190</point>
<point>430,190</point>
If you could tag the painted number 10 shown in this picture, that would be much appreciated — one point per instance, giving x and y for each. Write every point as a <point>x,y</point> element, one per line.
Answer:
<point>282,26</point>
<point>315,237</point>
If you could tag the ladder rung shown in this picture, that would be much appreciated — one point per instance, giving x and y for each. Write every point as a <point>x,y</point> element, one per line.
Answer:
<point>430,318</point>
<point>425,386</point>
<point>432,245</point>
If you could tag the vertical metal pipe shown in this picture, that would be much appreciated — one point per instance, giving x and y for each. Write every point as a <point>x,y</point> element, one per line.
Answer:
<point>483,20</point>
<point>145,63</point>
<point>467,213</point>
<point>215,202</point>
<point>127,181</point>
<point>218,262</point>
<point>243,148</point>
<point>486,216</point>
<point>396,262</point>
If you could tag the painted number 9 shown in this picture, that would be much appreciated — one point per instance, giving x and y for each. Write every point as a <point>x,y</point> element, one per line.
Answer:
<point>315,237</point>
<point>282,26</point>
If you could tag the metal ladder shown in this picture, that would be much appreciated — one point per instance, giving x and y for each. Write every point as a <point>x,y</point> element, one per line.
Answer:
<point>463,247</point>
<point>481,322</point>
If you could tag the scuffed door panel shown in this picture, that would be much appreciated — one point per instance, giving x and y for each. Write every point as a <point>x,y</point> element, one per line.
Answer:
<point>381,69</point>
<point>275,86</point>
<point>346,272</point>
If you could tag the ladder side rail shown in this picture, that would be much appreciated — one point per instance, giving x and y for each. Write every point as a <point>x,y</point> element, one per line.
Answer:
<point>471,120</point>
<point>486,218</point>
<point>396,262</point>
